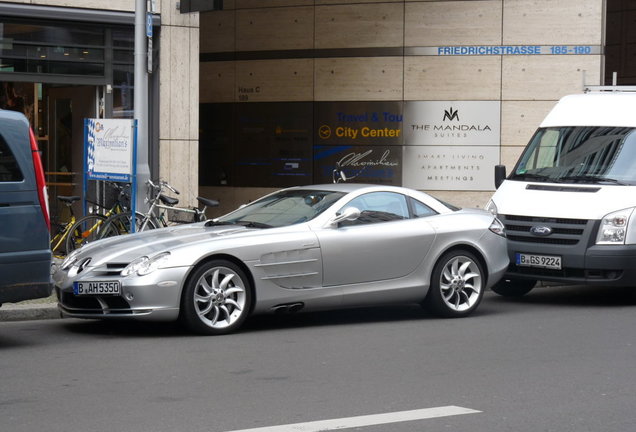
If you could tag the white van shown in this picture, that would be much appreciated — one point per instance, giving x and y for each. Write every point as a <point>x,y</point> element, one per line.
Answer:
<point>568,204</point>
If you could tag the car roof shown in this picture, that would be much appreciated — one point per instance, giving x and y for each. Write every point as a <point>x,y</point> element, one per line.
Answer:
<point>345,187</point>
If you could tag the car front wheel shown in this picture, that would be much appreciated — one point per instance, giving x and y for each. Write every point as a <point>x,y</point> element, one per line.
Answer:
<point>457,285</point>
<point>216,298</point>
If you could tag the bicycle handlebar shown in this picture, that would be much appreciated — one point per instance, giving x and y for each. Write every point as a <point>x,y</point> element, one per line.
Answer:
<point>162,184</point>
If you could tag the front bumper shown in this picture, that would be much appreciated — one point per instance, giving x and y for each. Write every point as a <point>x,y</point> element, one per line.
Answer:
<point>599,265</point>
<point>154,297</point>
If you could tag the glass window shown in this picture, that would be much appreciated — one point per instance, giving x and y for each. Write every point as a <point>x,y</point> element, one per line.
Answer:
<point>283,208</point>
<point>580,154</point>
<point>421,210</point>
<point>378,207</point>
<point>9,169</point>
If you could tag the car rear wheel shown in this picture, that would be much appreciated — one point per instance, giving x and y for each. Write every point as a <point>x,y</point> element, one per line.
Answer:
<point>457,285</point>
<point>216,298</point>
<point>514,287</point>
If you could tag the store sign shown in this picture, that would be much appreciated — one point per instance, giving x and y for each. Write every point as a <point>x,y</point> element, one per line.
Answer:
<point>505,50</point>
<point>109,149</point>
<point>452,123</point>
<point>360,164</point>
<point>467,168</point>
<point>451,145</point>
<point>359,123</point>
<point>364,138</point>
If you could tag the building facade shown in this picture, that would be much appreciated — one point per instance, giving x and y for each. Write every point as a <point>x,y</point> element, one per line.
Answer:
<point>426,94</point>
<point>66,60</point>
<point>247,96</point>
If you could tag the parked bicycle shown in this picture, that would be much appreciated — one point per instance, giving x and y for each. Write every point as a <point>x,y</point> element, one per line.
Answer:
<point>90,227</point>
<point>161,213</point>
<point>59,239</point>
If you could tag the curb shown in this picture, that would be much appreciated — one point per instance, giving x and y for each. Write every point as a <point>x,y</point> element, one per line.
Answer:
<point>28,312</point>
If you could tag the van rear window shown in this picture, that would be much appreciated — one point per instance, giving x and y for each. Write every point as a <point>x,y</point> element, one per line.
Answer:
<point>9,169</point>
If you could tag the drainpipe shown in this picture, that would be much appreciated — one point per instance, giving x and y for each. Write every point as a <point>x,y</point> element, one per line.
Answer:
<point>141,103</point>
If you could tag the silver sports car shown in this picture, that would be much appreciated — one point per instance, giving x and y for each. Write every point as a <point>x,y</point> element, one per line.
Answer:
<point>302,248</point>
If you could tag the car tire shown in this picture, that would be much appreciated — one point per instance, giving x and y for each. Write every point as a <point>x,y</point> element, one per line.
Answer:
<point>216,298</point>
<point>457,285</point>
<point>514,287</point>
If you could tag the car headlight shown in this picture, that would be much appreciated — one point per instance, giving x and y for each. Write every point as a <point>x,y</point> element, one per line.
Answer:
<point>613,229</point>
<point>492,208</point>
<point>497,227</point>
<point>145,265</point>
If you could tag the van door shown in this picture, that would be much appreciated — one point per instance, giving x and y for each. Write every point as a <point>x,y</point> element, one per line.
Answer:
<point>25,257</point>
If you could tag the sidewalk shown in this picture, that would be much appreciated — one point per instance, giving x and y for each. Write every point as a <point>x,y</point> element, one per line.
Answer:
<point>45,308</point>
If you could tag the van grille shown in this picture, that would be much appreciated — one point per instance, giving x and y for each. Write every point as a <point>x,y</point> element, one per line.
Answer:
<point>565,232</point>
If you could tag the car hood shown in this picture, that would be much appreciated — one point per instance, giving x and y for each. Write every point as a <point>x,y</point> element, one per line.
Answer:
<point>129,247</point>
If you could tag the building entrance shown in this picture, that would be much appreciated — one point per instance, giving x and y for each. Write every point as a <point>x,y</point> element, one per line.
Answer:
<point>56,114</point>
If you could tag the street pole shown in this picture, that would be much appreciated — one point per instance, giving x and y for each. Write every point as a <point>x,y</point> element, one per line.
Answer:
<point>141,103</point>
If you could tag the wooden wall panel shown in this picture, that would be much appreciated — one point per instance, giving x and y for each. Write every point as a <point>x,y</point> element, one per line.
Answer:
<point>352,26</point>
<point>218,82</point>
<point>547,77</point>
<point>453,23</point>
<point>217,31</point>
<point>550,22</point>
<point>519,120</point>
<point>274,80</point>
<point>359,79</point>
<point>275,29</point>
<point>452,78</point>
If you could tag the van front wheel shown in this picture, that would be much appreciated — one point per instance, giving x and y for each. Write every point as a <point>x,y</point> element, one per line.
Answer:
<point>514,287</point>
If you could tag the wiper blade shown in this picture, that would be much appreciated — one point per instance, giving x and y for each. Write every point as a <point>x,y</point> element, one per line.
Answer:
<point>591,179</point>
<point>211,223</point>
<point>252,224</point>
<point>532,176</point>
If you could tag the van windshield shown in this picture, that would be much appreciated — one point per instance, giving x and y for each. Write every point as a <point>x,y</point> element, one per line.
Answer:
<point>581,154</point>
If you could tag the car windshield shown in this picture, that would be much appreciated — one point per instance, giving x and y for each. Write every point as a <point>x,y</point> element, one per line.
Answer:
<point>604,155</point>
<point>283,208</point>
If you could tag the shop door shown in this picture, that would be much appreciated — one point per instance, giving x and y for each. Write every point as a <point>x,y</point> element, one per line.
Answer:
<point>67,108</point>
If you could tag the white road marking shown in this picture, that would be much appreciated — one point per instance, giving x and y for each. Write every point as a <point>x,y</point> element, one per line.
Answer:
<point>368,420</point>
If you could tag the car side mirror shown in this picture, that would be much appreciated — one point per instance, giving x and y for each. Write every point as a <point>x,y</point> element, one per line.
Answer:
<point>348,214</point>
<point>500,175</point>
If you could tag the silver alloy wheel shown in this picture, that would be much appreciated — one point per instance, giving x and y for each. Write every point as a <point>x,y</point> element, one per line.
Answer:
<point>220,297</point>
<point>460,283</point>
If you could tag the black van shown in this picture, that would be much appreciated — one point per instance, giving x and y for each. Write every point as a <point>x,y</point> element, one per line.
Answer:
<point>25,254</point>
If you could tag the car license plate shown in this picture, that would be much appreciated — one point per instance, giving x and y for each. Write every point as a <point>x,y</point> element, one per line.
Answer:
<point>541,261</point>
<point>97,288</point>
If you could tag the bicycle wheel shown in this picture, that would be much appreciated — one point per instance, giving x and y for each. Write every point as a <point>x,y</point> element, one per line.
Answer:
<point>121,223</point>
<point>85,230</point>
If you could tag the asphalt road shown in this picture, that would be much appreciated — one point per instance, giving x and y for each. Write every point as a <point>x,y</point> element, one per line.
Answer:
<point>561,359</point>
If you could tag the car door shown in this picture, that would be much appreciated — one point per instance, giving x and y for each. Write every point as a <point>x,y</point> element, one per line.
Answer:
<point>384,243</point>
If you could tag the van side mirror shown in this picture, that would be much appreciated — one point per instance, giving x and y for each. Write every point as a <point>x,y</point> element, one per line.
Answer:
<point>500,175</point>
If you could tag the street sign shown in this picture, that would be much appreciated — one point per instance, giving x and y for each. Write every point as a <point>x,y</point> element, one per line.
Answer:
<point>149,24</point>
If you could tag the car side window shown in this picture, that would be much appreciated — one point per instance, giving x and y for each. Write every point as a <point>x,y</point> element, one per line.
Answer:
<point>421,210</point>
<point>378,207</point>
<point>9,169</point>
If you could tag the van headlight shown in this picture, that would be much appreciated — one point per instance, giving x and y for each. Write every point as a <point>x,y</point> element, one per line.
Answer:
<point>497,227</point>
<point>491,207</point>
<point>613,229</point>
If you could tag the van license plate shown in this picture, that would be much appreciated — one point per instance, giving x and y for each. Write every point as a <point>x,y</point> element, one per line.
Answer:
<point>540,261</point>
<point>97,288</point>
